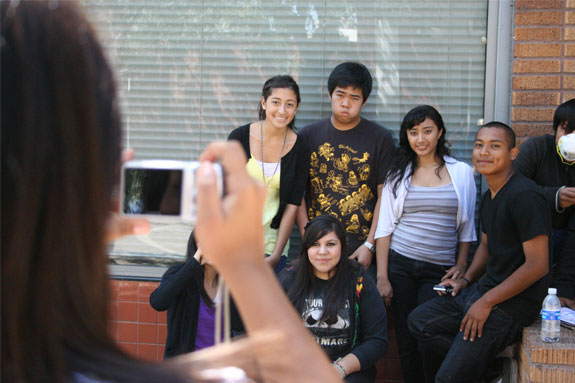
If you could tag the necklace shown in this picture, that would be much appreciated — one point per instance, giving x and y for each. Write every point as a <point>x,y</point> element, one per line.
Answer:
<point>262,158</point>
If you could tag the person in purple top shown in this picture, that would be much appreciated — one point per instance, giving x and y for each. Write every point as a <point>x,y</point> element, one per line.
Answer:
<point>188,291</point>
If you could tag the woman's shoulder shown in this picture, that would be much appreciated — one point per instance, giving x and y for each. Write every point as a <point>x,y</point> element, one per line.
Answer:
<point>240,131</point>
<point>300,142</point>
<point>457,164</point>
<point>298,147</point>
<point>175,268</point>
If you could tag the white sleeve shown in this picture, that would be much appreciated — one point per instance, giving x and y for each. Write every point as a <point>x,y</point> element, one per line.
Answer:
<point>466,232</point>
<point>386,223</point>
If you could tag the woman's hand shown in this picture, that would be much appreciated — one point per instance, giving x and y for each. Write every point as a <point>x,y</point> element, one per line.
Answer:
<point>272,261</point>
<point>385,290</point>
<point>566,302</point>
<point>454,272</point>
<point>230,229</point>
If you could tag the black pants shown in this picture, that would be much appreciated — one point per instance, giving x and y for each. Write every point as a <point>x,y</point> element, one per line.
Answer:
<point>412,282</point>
<point>446,356</point>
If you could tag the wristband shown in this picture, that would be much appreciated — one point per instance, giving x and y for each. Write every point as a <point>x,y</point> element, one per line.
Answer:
<point>370,246</point>
<point>466,280</point>
<point>340,367</point>
<point>557,207</point>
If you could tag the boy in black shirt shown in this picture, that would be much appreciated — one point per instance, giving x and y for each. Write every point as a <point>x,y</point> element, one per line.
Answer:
<point>349,158</point>
<point>459,334</point>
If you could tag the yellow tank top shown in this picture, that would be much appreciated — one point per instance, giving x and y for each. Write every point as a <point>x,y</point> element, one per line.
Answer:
<point>271,204</point>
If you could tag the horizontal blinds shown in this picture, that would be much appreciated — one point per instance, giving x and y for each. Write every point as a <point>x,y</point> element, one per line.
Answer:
<point>191,71</point>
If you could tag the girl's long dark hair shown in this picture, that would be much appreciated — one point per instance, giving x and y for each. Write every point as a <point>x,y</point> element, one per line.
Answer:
<point>199,278</point>
<point>405,157</point>
<point>340,285</point>
<point>278,82</point>
<point>60,147</point>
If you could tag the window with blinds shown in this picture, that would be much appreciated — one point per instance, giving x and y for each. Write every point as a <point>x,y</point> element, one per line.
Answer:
<point>191,71</point>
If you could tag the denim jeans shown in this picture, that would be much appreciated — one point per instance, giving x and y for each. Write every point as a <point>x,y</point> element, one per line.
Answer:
<point>412,282</point>
<point>446,356</point>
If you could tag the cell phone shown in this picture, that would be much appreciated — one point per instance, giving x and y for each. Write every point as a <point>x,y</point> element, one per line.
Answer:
<point>445,289</point>
<point>162,190</point>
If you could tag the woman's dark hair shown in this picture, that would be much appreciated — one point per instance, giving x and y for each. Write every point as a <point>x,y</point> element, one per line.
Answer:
<point>339,285</point>
<point>278,82</point>
<point>199,278</point>
<point>60,148</point>
<point>350,74</point>
<point>405,157</point>
<point>565,114</point>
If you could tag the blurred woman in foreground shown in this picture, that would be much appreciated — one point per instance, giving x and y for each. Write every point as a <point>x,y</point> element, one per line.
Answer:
<point>60,164</point>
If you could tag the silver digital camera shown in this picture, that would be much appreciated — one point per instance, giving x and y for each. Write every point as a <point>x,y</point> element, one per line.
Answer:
<point>162,190</point>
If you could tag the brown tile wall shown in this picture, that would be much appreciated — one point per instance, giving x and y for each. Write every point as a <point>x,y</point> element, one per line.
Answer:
<point>543,63</point>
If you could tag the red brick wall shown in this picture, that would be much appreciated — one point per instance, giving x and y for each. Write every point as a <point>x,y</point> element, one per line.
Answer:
<point>543,63</point>
<point>135,325</point>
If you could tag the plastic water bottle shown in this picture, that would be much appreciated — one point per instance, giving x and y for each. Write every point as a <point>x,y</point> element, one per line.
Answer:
<point>550,322</point>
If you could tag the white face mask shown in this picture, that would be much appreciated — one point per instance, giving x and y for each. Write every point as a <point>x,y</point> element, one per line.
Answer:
<point>566,147</point>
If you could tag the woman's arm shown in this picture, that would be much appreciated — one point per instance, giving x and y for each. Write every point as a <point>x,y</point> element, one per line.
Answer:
<point>362,254</point>
<point>174,281</point>
<point>284,232</point>
<point>231,236</point>
<point>458,269</point>
<point>382,256</point>
<point>349,363</point>
<point>372,328</point>
<point>302,175</point>
<point>302,218</point>
<point>463,180</point>
<point>466,230</point>
<point>385,226</point>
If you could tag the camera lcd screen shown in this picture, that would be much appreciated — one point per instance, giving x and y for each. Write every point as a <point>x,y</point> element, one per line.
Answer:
<point>152,191</point>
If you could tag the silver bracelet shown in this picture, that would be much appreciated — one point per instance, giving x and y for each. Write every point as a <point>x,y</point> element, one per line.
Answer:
<point>340,367</point>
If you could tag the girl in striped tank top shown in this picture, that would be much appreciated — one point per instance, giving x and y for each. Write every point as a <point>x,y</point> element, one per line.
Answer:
<point>426,224</point>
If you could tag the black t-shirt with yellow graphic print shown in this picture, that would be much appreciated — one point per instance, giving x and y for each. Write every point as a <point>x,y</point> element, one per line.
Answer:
<point>345,169</point>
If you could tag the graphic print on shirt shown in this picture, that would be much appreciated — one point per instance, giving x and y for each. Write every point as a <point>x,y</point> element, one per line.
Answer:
<point>332,338</point>
<point>337,177</point>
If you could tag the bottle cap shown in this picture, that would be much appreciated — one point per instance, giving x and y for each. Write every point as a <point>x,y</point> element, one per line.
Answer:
<point>552,291</point>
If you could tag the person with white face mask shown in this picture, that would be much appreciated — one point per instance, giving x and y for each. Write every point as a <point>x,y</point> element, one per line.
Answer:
<point>549,160</point>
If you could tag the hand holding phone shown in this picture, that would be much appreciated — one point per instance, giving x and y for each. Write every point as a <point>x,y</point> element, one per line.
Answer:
<point>443,289</point>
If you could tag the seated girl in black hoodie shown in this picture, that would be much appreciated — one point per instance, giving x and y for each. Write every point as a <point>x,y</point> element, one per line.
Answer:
<point>189,292</point>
